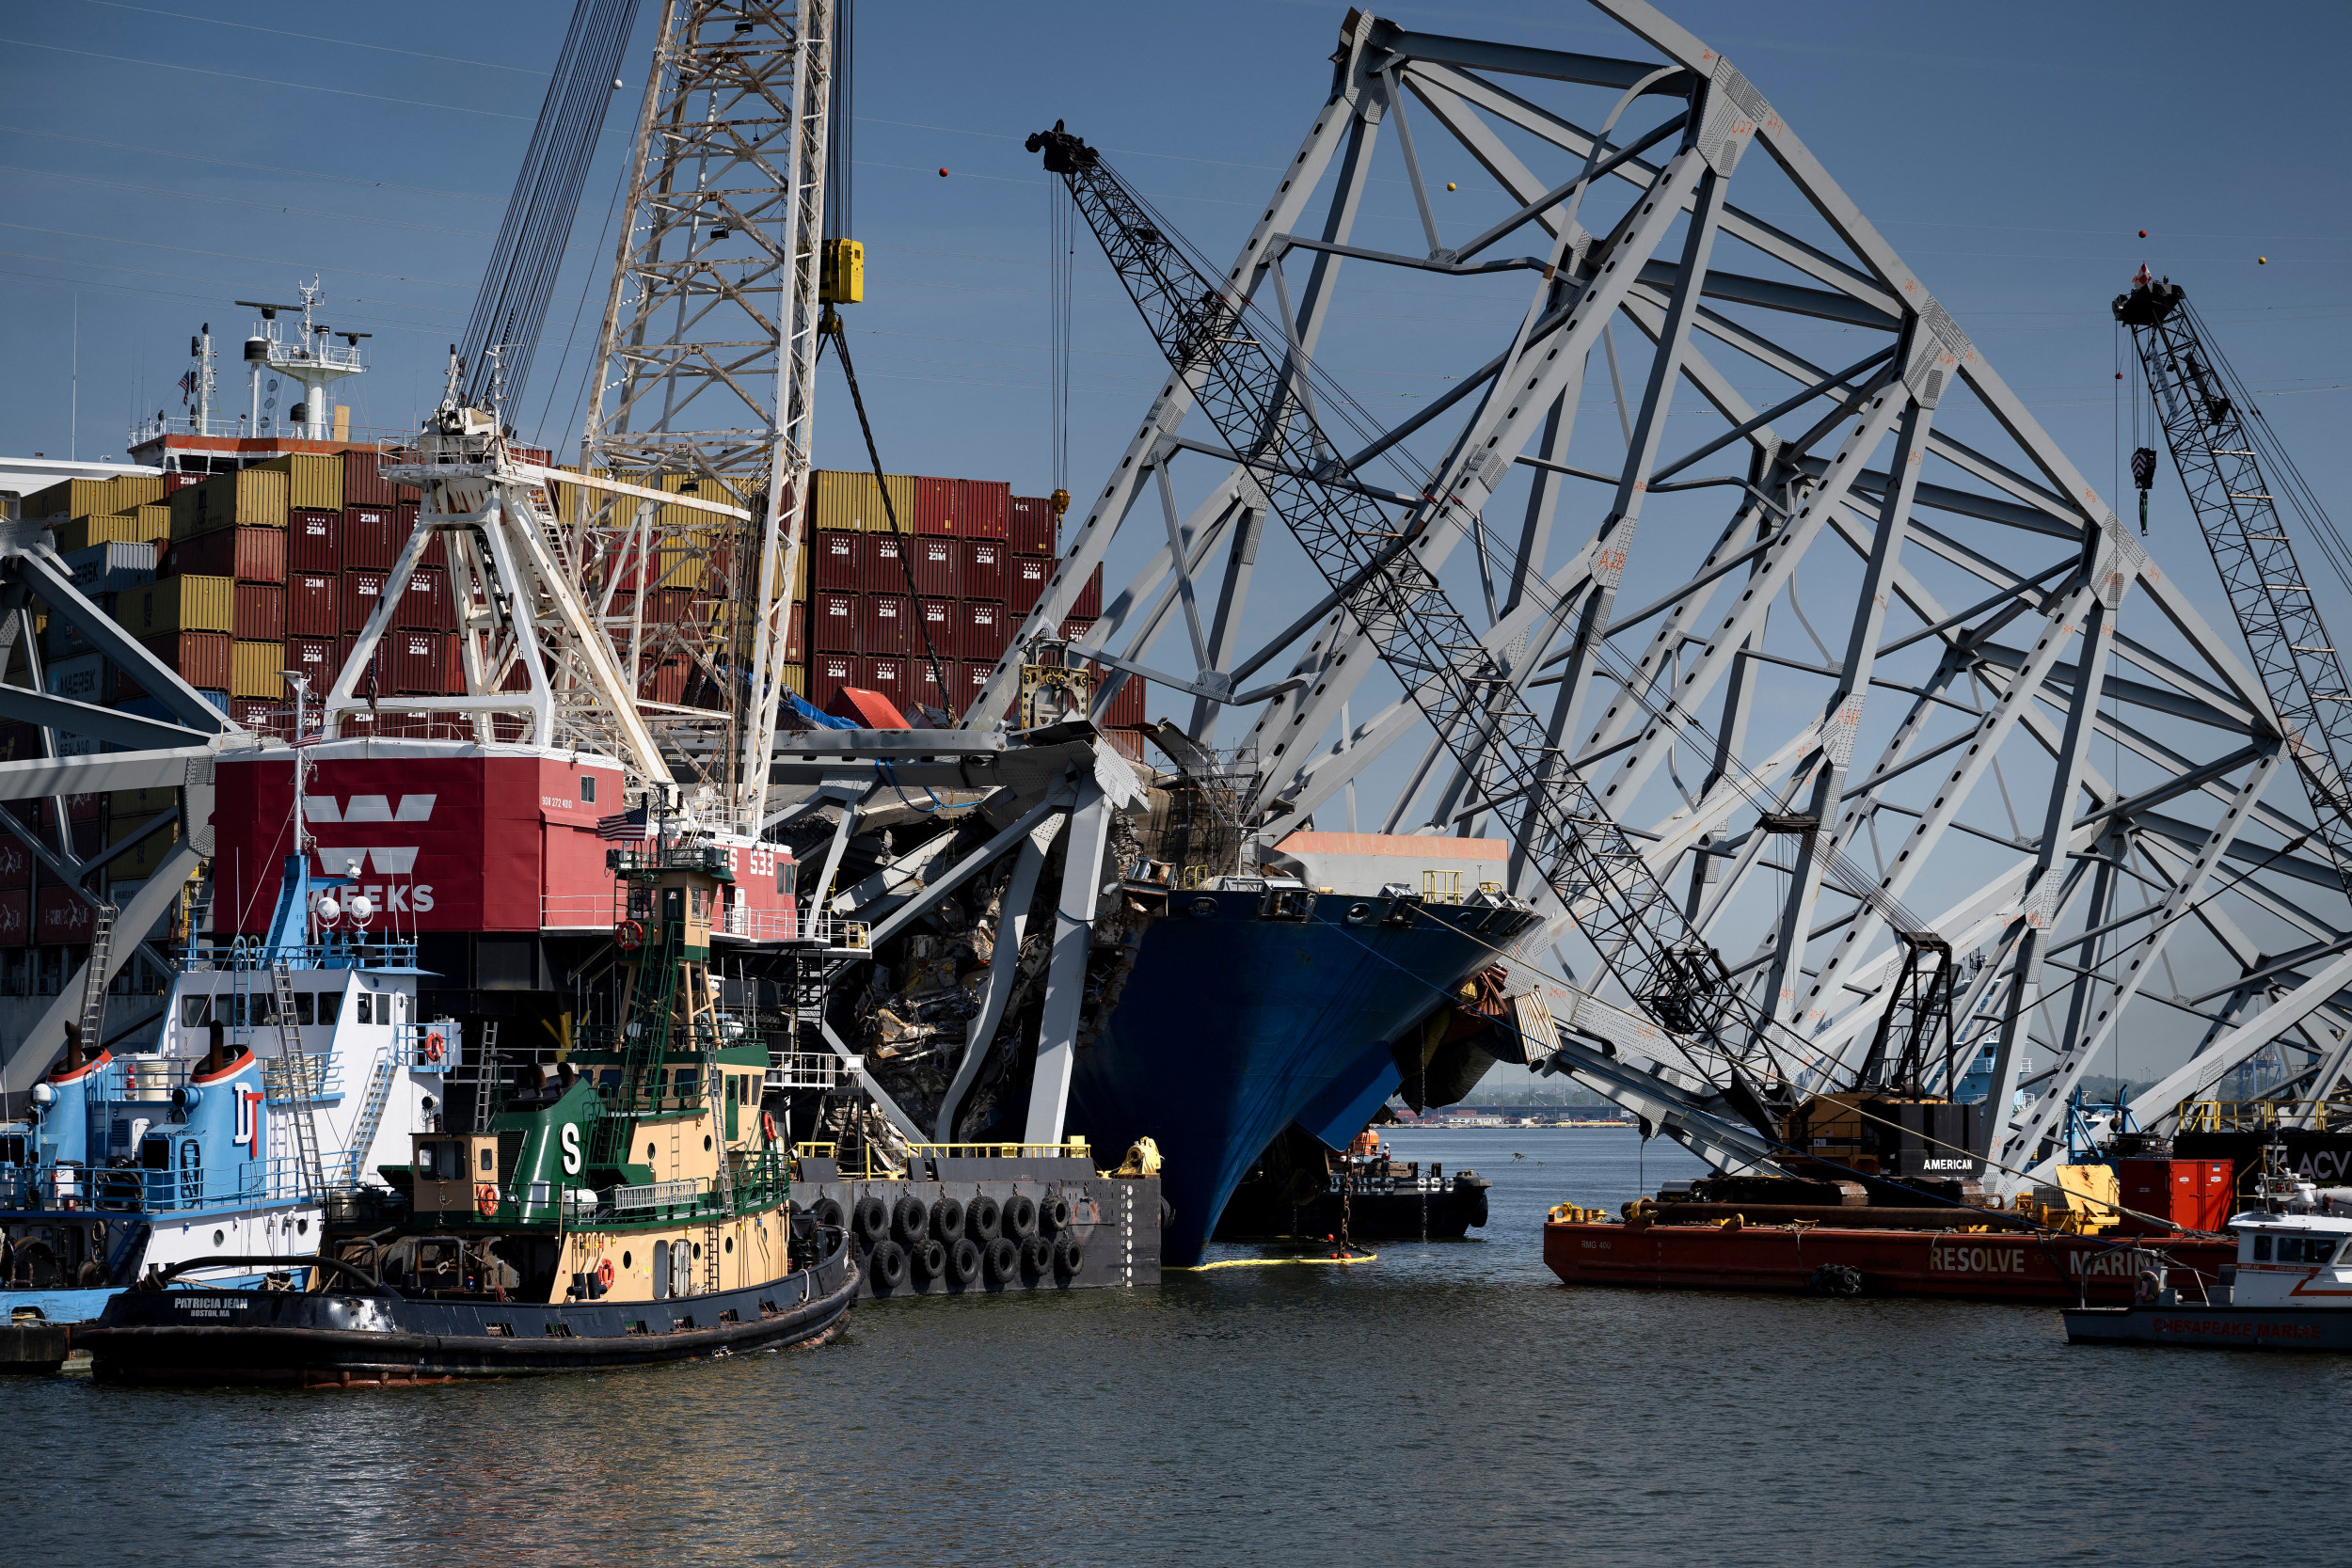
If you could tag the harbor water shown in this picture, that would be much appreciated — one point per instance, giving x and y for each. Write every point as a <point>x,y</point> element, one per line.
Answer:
<point>1449,1403</point>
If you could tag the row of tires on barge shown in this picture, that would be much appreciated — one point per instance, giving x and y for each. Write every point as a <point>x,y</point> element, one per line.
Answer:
<point>916,1238</point>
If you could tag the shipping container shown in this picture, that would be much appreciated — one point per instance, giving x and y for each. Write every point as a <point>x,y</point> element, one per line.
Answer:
<point>839,563</point>
<point>837,616</point>
<point>94,497</point>
<point>827,676</point>
<point>665,682</point>
<point>885,562</point>
<point>81,678</point>
<point>795,678</point>
<point>362,484</point>
<point>316,658</point>
<point>257,669</point>
<point>942,624</point>
<point>702,487</point>
<point>111,568</point>
<point>985,630</point>
<point>1026,583</point>
<point>1088,604</point>
<point>312,480</point>
<point>425,604</point>
<point>417,663</point>
<point>937,502</point>
<point>1032,531</point>
<point>368,540</point>
<point>887,676</point>
<point>405,523</point>
<point>16,918</point>
<point>1075,628</point>
<point>245,554</point>
<point>175,482</point>
<point>73,535</point>
<point>974,678</point>
<point>926,676</point>
<point>64,916</point>
<point>981,569</point>
<point>664,607</point>
<point>1126,705</point>
<point>885,624</point>
<point>314,540</point>
<point>61,638</point>
<point>937,567</point>
<point>264,715</point>
<point>362,591</point>
<point>137,860</point>
<point>314,605</point>
<point>16,862</point>
<point>134,803</point>
<point>177,604</point>
<point>250,498</point>
<point>985,510</point>
<point>796,636</point>
<point>852,503</point>
<point>261,613</point>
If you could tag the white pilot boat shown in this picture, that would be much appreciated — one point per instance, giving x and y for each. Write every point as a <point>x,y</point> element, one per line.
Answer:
<point>2291,1287</point>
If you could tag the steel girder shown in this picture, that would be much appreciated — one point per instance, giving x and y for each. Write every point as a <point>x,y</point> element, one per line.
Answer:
<point>2030,730</point>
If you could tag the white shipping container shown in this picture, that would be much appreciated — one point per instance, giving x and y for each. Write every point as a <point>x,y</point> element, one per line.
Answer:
<point>111,568</point>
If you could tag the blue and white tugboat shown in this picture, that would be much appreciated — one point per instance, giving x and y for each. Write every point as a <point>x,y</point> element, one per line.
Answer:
<point>2291,1287</point>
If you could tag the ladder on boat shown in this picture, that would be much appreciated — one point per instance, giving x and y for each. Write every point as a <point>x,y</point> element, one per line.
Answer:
<point>370,1118</point>
<point>101,938</point>
<point>294,1072</point>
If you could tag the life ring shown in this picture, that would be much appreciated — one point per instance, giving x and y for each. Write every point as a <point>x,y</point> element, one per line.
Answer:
<point>628,936</point>
<point>768,1125</point>
<point>485,1200</point>
<point>433,1046</point>
<point>604,1274</point>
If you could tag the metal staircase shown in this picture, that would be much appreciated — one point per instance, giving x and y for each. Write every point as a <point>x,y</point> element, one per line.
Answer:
<point>294,1086</point>
<point>370,1118</point>
<point>102,939</point>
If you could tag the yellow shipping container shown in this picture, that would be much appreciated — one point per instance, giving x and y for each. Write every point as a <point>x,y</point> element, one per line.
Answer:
<point>75,498</point>
<point>120,828</point>
<point>122,803</point>
<point>177,604</point>
<point>257,669</point>
<point>852,503</point>
<point>796,679</point>
<point>312,480</point>
<point>138,490</point>
<point>705,488</point>
<point>145,858</point>
<point>251,497</point>
<point>142,526</point>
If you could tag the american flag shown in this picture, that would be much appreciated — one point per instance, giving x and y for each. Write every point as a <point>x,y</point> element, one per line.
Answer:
<point>625,825</point>
<point>187,387</point>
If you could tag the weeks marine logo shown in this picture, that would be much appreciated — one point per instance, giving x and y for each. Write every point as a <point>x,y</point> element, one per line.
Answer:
<point>380,860</point>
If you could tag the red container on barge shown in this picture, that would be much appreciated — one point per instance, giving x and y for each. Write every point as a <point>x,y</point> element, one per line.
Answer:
<point>2013,1264</point>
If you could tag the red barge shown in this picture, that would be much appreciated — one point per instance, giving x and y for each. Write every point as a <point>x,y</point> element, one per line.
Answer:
<point>2008,1263</point>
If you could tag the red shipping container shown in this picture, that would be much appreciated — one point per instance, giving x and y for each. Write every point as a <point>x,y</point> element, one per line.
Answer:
<point>1126,706</point>
<point>314,606</point>
<point>928,691</point>
<point>202,658</point>
<point>83,808</point>
<point>983,567</point>
<point>405,523</point>
<point>415,663</point>
<point>180,482</point>
<point>889,677</point>
<point>2195,1194</point>
<point>796,634</point>
<point>885,624</point>
<point>1032,526</point>
<point>985,631</point>
<point>1030,574</point>
<point>425,605</point>
<point>974,678</point>
<point>666,681</point>
<point>936,503</point>
<point>314,541</point>
<point>986,511</point>
<point>260,611</point>
<point>62,915</point>
<point>942,629</point>
<point>1089,600</point>
<point>16,862</point>
<point>837,563</point>
<point>938,568</point>
<point>247,554</point>
<point>362,484</point>
<point>317,659</point>
<point>361,593</point>
<point>837,617</point>
<point>16,918</point>
<point>1074,628</point>
<point>369,540</point>
<point>267,715</point>
<point>828,675</point>
<point>883,565</point>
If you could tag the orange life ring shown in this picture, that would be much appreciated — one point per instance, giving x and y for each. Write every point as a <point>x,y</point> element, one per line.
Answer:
<point>485,1200</point>
<point>630,936</point>
<point>433,1046</point>
<point>768,1124</point>
<point>604,1274</point>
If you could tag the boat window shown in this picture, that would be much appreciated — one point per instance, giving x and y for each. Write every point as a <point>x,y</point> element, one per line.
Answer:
<point>490,1159</point>
<point>155,1154</point>
<point>195,1011</point>
<point>2262,1249</point>
<point>305,1006</point>
<point>785,875</point>
<point>587,789</point>
<point>330,1007</point>
<point>367,1008</point>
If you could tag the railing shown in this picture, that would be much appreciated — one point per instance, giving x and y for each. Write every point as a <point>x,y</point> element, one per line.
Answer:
<point>659,1195</point>
<point>138,1190</point>
<point>433,1046</point>
<point>586,911</point>
<point>760,925</point>
<point>862,1165</point>
<point>2262,1115</point>
<point>806,1070</point>
<point>332,951</point>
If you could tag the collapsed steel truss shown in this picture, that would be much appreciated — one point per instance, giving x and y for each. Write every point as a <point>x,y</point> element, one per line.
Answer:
<point>1797,794</point>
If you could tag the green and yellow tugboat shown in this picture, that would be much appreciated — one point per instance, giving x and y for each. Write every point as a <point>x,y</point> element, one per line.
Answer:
<point>630,1207</point>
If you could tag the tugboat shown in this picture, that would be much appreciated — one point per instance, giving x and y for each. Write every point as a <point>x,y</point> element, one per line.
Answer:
<point>631,1207</point>
<point>2289,1288</point>
<point>1300,1188</point>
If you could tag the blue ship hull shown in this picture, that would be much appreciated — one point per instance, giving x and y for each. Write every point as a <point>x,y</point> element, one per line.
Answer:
<point>1232,1026</point>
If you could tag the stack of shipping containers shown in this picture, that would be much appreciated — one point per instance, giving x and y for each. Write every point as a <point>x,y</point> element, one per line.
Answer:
<point>967,564</point>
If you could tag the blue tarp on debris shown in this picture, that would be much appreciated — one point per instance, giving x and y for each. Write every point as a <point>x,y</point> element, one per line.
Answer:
<point>810,715</point>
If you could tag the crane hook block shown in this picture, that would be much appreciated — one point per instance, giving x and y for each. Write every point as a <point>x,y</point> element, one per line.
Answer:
<point>841,273</point>
<point>1064,152</point>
